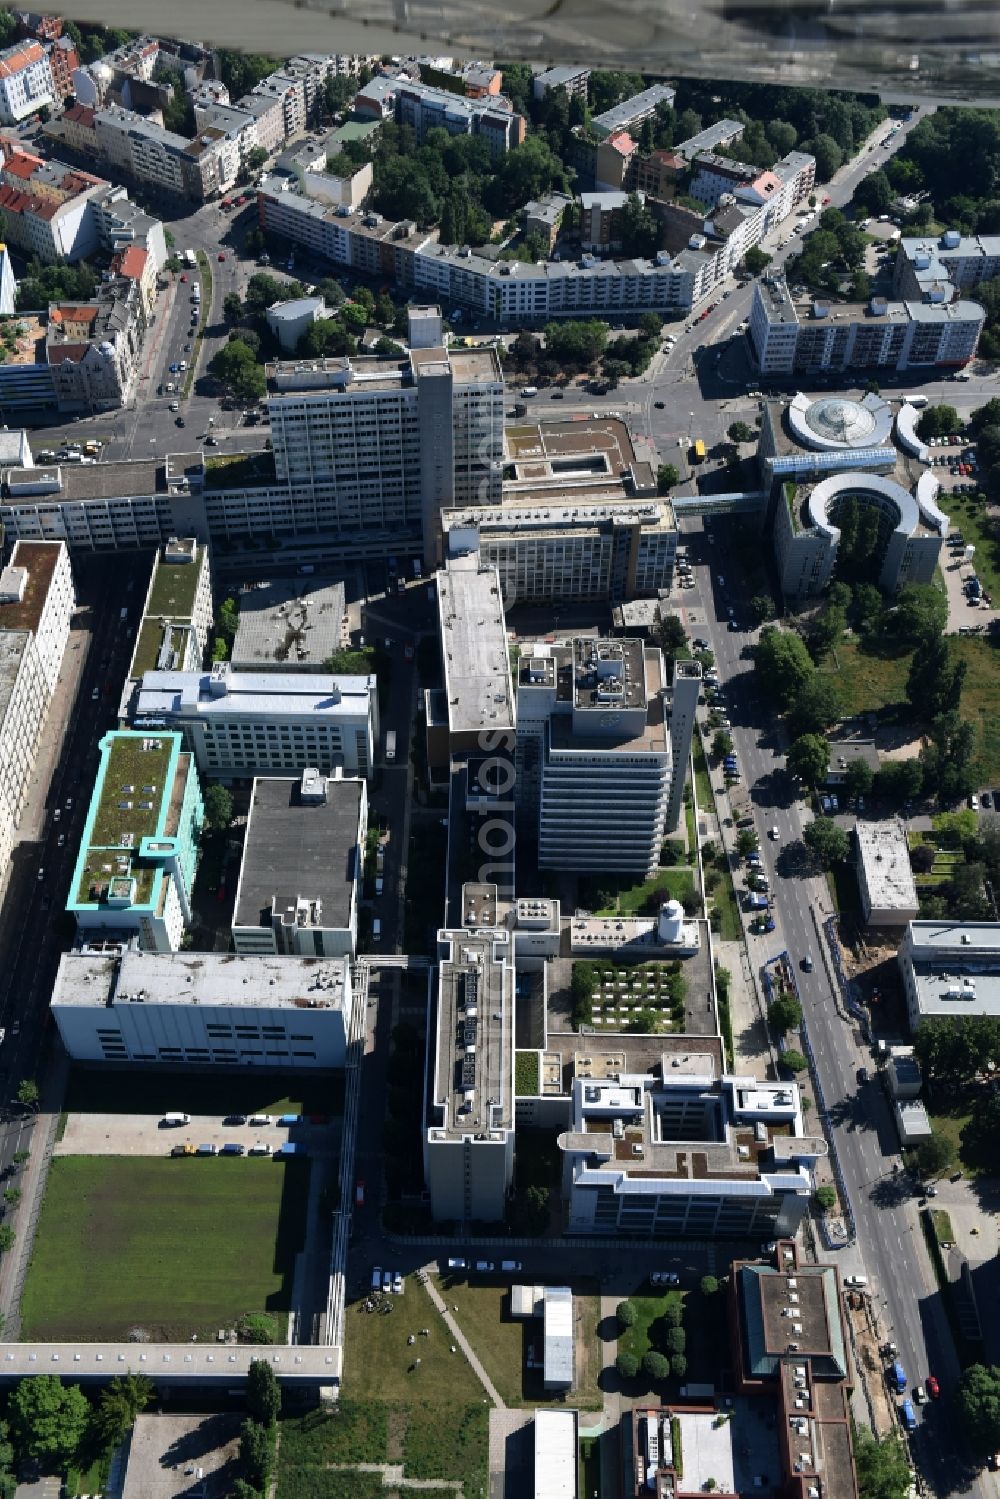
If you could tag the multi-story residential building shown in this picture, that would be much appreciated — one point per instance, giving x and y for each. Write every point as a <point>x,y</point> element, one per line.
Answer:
<point>594,756</point>
<point>37,594</point>
<point>122,224</point>
<point>567,78</point>
<point>177,613</point>
<point>26,383</point>
<point>469,1143</point>
<point>301,867</point>
<point>135,869</point>
<point>137,265</point>
<point>632,112</point>
<point>600,219</point>
<point>685,1153</point>
<point>885,875</point>
<point>25,81</point>
<point>24,702</point>
<point>950,969</point>
<point>267,115</point>
<point>790,335</point>
<point>63,63</point>
<point>202,1009</point>
<point>201,168</point>
<point>545,216</point>
<point>616,162</point>
<point>8,286</point>
<point>659,173</point>
<point>48,207</point>
<point>712,175</point>
<point>265,723</point>
<point>93,348</point>
<point>380,444</point>
<point>490,117</point>
<point>939,268</point>
<point>290,92</point>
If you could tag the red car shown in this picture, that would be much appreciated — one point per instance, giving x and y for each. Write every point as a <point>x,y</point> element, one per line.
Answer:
<point>359,1194</point>
<point>933,1388</point>
<point>221,256</point>
<point>183,278</point>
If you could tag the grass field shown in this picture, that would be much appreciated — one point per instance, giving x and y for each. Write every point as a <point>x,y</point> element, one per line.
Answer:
<point>633,900</point>
<point>100,1092</point>
<point>175,1247</point>
<point>641,1338</point>
<point>377,1358</point>
<point>501,1343</point>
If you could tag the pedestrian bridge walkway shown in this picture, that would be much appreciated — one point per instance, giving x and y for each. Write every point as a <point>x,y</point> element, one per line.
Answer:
<point>735,503</point>
<point>171,1363</point>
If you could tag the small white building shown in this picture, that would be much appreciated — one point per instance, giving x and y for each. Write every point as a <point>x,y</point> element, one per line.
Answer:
<point>203,1009</point>
<point>557,1321</point>
<point>950,969</point>
<point>289,320</point>
<point>885,876</point>
<point>556,1445</point>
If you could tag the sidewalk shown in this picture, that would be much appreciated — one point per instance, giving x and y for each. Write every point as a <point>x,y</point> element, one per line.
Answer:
<point>429,1271</point>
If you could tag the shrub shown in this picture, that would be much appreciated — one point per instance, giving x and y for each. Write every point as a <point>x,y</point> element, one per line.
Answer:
<point>626,1314</point>
<point>656,1365</point>
<point>627,1365</point>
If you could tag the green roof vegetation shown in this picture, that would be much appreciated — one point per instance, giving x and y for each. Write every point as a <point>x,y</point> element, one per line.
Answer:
<point>147,647</point>
<point>126,813</point>
<point>239,471</point>
<point>794,507</point>
<point>174,587</point>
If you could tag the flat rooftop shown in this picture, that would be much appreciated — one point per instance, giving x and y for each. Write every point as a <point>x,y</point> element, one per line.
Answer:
<point>138,794</point>
<point>175,586</point>
<point>35,562</point>
<point>265,980</point>
<point>956,967</point>
<point>885,867</point>
<point>299,851</point>
<point>772,1319</point>
<point>85,481</point>
<point>13,644</point>
<point>608,674</point>
<point>288,694</point>
<point>525,513</point>
<point>474,646</point>
<point>475,1016</point>
<point>292,623</point>
<point>29,345</point>
<point>157,1468</point>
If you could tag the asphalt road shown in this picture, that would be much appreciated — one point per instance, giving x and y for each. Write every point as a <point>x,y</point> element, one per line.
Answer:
<point>890,1247</point>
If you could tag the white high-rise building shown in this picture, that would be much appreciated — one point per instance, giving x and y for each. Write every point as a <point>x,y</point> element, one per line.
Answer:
<point>594,757</point>
<point>25,81</point>
<point>381,444</point>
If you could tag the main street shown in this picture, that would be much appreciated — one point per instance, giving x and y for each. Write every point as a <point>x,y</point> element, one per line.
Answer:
<point>889,1247</point>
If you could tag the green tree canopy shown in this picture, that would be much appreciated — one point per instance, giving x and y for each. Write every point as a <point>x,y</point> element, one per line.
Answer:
<point>883,1466</point>
<point>48,1420</point>
<point>740,432</point>
<point>218,806</point>
<point>263,1392</point>
<point>655,1365</point>
<point>828,842</point>
<point>817,705</point>
<point>626,1314</point>
<point>756,260</point>
<point>809,758</point>
<point>667,478</point>
<point>627,1365</point>
<point>939,421</point>
<point>859,778</point>
<point>979,1407</point>
<point>782,664</point>
<point>708,1285</point>
<point>785,1014</point>
<point>825,1197</point>
<point>934,1155</point>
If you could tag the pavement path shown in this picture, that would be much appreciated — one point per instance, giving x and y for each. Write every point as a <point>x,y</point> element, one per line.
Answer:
<point>430,1270</point>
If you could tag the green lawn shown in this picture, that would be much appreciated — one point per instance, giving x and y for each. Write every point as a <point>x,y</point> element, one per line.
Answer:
<point>501,1343</point>
<point>702,779</point>
<point>641,1338</point>
<point>977,528</point>
<point>950,1126</point>
<point>94,1091</point>
<point>377,1357</point>
<point>433,1441</point>
<point>724,898</point>
<point>177,1247</point>
<point>633,900</point>
<point>866,682</point>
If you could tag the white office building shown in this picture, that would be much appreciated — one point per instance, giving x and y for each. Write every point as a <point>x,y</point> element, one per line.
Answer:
<point>204,1009</point>
<point>594,756</point>
<point>301,868</point>
<point>950,970</point>
<point>469,1146</point>
<point>687,1155</point>
<point>177,614</point>
<point>383,444</point>
<point>240,724</point>
<point>24,702</point>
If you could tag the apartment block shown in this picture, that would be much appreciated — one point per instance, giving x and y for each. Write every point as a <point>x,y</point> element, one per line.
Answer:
<point>301,868</point>
<point>388,444</point>
<point>93,348</point>
<point>26,84</point>
<point>136,866</point>
<point>469,1142</point>
<point>24,703</point>
<point>203,1009</point>
<point>601,219</point>
<point>477,677</point>
<point>885,875</point>
<point>122,225</point>
<point>8,286</point>
<point>238,724</point>
<point>545,216</point>
<point>631,113</point>
<point>939,268</point>
<point>566,78</point>
<point>63,63</point>
<point>37,594</point>
<point>47,206</point>
<point>801,335</point>
<point>423,108</point>
<point>594,758</point>
<point>681,1152</point>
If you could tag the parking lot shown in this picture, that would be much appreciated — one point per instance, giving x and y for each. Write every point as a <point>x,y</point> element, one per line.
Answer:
<point>138,1134</point>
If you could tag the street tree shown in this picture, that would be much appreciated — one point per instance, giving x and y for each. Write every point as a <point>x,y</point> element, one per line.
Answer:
<point>48,1420</point>
<point>825,1197</point>
<point>232,307</point>
<point>755,260</point>
<point>883,1465</point>
<point>859,778</point>
<point>708,1285</point>
<point>809,758</point>
<point>761,607</point>
<point>785,1014</point>
<point>746,842</point>
<point>655,1365</point>
<point>740,432</point>
<point>722,744</point>
<point>794,1061</point>
<point>979,1407</point>
<point>826,841</point>
<point>667,478</point>
<point>27,1093</point>
<point>782,664</point>
<point>218,806</point>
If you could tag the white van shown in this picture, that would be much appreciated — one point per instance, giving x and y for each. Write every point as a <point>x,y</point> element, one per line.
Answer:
<point>856,1282</point>
<point>172,1121</point>
<point>377,930</point>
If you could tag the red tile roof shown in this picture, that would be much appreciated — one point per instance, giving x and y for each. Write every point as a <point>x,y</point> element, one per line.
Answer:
<point>20,58</point>
<point>133,262</point>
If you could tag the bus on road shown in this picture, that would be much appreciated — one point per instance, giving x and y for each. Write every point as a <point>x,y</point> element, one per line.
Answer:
<point>390,745</point>
<point>698,452</point>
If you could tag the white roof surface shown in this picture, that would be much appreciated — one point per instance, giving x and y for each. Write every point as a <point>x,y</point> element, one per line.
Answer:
<point>555,1455</point>
<point>558,1324</point>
